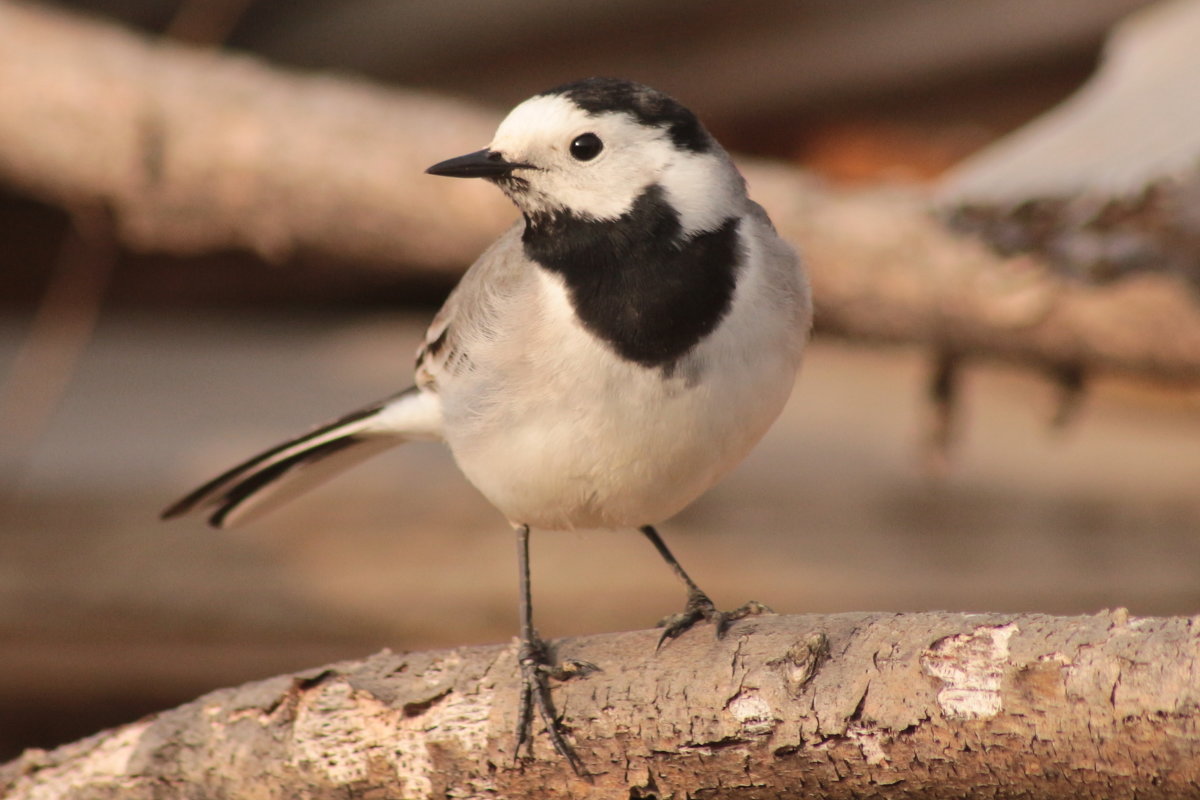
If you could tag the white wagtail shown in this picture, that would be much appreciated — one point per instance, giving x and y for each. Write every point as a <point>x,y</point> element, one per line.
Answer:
<point>607,360</point>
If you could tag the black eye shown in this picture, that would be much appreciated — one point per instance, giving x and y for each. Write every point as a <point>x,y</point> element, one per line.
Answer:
<point>586,147</point>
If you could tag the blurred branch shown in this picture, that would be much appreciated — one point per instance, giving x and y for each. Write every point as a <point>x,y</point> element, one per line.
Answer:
<point>199,151</point>
<point>933,705</point>
<point>205,22</point>
<point>61,330</point>
<point>884,268</point>
<point>944,396</point>
<point>1108,183</point>
<point>67,314</point>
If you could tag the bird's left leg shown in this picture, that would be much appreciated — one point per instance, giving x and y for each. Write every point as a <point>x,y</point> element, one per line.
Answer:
<point>537,669</point>
<point>698,606</point>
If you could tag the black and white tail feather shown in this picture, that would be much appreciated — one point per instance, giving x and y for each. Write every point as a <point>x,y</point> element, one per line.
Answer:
<point>275,476</point>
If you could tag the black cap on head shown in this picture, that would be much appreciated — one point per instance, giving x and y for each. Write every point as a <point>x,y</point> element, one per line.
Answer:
<point>648,106</point>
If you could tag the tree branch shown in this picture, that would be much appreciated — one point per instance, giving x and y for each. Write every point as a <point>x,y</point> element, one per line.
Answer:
<point>1107,183</point>
<point>200,151</point>
<point>196,151</point>
<point>849,705</point>
<point>883,268</point>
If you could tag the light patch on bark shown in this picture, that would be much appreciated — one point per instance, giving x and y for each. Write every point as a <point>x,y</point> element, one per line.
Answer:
<point>871,742</point>
<point>105,765</point>
<point>349,736</point>
<point>971,667</point>
<point>753,714</point>
<point>436,673</point>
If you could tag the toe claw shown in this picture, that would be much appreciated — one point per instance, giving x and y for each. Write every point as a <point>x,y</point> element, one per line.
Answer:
<point>570,668</point>
<point>677,624</point>
<point>752,609</point>
<point>667,634</point>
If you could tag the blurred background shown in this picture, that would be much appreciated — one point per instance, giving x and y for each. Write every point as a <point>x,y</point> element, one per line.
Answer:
<point>129,376</point>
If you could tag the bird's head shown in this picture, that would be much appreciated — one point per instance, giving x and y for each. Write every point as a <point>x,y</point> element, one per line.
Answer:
<point>591,148</point>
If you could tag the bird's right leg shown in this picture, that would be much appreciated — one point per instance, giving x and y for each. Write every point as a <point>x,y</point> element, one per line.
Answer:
<point>537,668</point>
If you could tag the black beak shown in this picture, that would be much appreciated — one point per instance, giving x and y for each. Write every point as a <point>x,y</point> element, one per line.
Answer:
<point>480,164</point>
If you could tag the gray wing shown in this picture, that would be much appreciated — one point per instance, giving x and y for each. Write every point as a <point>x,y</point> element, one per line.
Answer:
<point>472,314</point>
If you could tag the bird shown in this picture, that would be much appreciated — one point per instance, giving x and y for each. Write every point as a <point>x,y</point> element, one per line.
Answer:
<point>610,357</point>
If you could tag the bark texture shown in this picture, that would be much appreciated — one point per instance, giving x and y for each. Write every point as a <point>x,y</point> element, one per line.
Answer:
<point>198,151</point>
<point>842,706</point>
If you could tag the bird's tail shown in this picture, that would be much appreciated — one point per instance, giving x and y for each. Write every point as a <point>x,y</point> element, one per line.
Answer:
<point>272,478</point>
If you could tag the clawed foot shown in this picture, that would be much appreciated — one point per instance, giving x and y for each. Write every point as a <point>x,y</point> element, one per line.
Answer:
<point>536,672</point>
<point>700,607</point>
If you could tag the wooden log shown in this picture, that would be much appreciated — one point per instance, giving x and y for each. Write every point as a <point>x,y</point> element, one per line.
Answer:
<point>844,706</point>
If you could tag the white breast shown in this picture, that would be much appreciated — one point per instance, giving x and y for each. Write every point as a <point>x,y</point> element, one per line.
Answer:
<point>559,432</point>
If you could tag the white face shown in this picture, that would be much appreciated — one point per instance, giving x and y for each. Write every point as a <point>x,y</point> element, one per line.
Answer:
<point>703,187</point>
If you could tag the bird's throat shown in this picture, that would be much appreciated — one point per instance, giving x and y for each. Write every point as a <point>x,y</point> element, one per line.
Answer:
<point>639,282</point>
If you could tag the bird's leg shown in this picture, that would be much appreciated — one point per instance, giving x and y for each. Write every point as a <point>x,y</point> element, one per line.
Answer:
<point>698,606</point>
<point>536,670</point>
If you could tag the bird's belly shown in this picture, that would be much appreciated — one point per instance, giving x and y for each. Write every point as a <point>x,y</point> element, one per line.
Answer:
<point>619,451</point>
